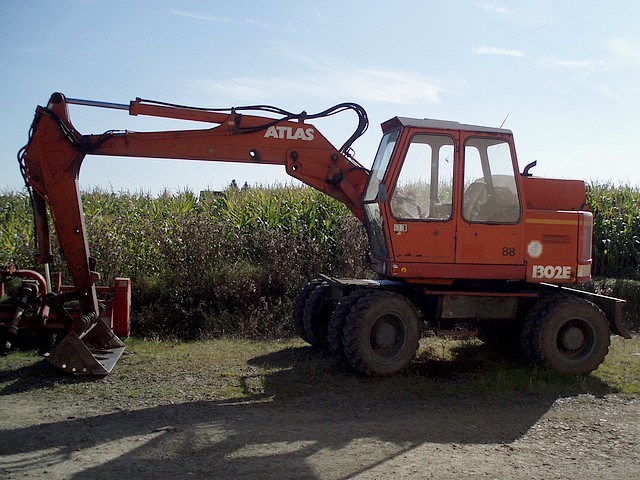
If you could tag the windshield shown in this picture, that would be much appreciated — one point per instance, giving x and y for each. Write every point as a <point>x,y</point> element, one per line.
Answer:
<point>380,164</point>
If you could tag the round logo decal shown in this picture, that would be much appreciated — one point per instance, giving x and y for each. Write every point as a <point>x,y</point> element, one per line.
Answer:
<point>534,249</point>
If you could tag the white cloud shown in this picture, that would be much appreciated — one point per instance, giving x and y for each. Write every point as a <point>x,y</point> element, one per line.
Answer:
<point>376,84</point>
<point>257,23</point>
<point>495,8</point>
<point>484,50</point>
<point>625,50</point>
<point>247,88</point>
<point>210,18</point>
<point>606,91</point>
<point>584,65</point>
<point>371,84</point>
<point>198,16</point>
<point>529,13</point>
<point>624,53</point>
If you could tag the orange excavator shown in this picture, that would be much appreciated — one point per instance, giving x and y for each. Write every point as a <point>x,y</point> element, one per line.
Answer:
<point>462,242</point>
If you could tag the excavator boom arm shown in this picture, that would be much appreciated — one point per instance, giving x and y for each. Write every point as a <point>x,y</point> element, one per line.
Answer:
<point>51,161</point>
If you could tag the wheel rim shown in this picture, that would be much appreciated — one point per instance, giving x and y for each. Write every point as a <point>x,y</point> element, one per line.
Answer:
<point>387,336</point>
<point>575,338</point>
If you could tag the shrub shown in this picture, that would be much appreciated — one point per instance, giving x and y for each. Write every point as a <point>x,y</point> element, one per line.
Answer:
<point>626,289</point>
<point>208,264</point>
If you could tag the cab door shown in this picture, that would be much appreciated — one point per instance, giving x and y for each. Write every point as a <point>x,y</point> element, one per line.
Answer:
<point>490,229</point>
<point>421,205</point>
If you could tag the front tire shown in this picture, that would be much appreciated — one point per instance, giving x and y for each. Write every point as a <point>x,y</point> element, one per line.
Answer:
<point>381,334</point>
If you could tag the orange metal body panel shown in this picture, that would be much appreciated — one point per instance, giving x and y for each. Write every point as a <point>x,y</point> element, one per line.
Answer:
<point>559,229</point>
<point>423,241</point>
<point>550,242</point>
<point>553,194</point>
<point>557,244</point>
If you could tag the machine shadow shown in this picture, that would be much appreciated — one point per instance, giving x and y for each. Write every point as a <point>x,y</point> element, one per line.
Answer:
<point>296,424</point>
<point>36,376</point>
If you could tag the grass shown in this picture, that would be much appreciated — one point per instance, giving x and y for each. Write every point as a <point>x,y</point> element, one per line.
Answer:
<point>475,369</point>
<point>622,367</point>
<point>161,372</point>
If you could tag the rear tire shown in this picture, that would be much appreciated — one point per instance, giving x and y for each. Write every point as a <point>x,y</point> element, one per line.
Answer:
<point>381,334</point>
<point>298,307</point>
<point>317,312</point>
<point>337,321</point>
<point>568,334</point>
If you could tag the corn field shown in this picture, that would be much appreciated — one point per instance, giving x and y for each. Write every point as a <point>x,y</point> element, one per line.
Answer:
<point>231,263</point>
<point>208,264</point>
<point>616,232</point>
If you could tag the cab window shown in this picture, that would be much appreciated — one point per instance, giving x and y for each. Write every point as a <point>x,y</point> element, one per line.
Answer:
<point>490,192</point>
<point>380,164</point>
<point>424,187</point>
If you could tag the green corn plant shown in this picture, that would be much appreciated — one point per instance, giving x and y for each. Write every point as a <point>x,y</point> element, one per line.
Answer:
<point>616,240</point>
<point>16,229</point>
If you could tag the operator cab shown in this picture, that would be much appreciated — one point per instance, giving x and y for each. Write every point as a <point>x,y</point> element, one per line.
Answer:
<point>437,193</point>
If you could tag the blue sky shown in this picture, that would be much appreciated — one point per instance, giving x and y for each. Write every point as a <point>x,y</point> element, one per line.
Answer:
<point>565,72</point>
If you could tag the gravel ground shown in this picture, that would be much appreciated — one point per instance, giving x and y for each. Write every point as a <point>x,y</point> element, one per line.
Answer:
<point>333,433</point>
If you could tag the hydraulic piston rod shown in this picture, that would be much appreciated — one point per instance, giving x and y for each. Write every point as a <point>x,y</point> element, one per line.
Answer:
<point>95,103</point>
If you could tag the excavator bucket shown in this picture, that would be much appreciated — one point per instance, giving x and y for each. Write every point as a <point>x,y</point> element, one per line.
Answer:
<point>94,352</point>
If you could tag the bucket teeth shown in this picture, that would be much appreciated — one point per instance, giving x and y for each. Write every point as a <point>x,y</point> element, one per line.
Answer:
<point>95,352</point>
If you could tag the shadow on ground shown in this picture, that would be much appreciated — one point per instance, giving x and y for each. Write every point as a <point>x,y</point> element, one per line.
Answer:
<point>317,430</point>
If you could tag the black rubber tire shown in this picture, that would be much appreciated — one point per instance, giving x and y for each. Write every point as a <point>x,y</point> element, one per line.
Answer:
<point>300,304</point>
<point>568,334</point>
<point>381,334</point>
<point>317,312</point>
<point>338,319</point>
<point>536,314</point>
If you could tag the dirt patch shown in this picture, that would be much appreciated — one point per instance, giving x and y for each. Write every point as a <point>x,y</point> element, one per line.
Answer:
<point>335,431</point>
